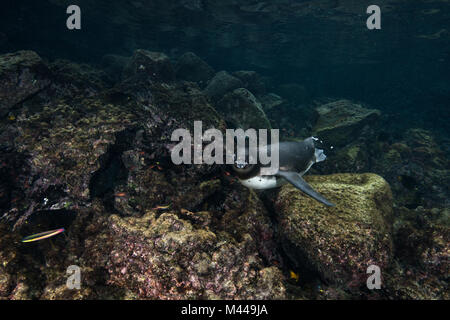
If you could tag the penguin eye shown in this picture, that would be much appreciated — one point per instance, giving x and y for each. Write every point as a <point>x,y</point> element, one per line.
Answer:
<point>243,167</point>
<point>240,165</point>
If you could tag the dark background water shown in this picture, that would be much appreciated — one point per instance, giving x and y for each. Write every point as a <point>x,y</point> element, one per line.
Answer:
<point>402,69</point>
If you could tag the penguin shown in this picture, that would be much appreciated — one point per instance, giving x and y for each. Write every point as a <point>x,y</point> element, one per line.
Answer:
<point>295,159</point>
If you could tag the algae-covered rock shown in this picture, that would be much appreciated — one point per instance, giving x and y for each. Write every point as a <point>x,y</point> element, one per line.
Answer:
<point>114,65</point>
<point>87,79</point>
<point>339,242</point>
<point>168,254</point>
<point>155,65</point>
<point>191,67</point>
<point>22,74</point>
<point>415,167</point>
<point>353,158</point>
<point>241,109</point>
<point>342,121</point>
<point>64,154</point>
<point>166,257</point>
<point>220,84</point>
<point>270,101</point>
<point>64,145</point>
<point>422,241</point>
<point>252,81</point>
<point>5,283</point>
<point>408,283</point>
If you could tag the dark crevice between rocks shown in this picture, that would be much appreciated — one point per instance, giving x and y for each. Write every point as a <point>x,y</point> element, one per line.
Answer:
<point>48,220</point>
<point>112,170</point>
<point>408,182</point>
<point>28,98</point>
<point>14,167</point>
<point>309,277</point>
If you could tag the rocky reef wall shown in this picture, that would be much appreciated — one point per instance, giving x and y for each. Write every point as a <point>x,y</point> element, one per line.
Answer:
<point>88,149</point>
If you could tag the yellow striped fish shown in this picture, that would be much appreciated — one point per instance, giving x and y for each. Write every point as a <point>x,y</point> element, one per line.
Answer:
<point>42,235</point>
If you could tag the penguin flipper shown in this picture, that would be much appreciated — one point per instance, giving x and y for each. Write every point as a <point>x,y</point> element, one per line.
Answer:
<point>297,181</point>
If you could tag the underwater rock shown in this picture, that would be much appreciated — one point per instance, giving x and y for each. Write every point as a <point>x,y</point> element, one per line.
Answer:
<point>5,282</point>
<point>22,74</point>
<point>64,145</point>
<point>409,284</point>
<point>191,67</point>
<point>340,242</point>
<point>252,81</point>
<point>270,101</point>
<point>72,79</point>
<point>226,253</point>
<point>424,149</point>
<point>154,65</point>
<point>422,240</point>
<point>241,109</point>
<point>222,83</point>
<point>422,253</point>
<point>353,158</point>
<point>294,120</point>
<point>416,168</point>
<point>342,121</point>
<point>114,65</point>
<point>166,257</point>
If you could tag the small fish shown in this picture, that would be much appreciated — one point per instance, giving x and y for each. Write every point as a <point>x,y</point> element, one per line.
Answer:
<point>187,212</point>
<point>120,194</point>
<point>12,118</point>
<point>161,207</point>
<point>42,235</point>
<point>294,275</point>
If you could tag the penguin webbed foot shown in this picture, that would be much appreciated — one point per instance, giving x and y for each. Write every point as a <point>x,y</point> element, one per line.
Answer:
<point>297,181</point>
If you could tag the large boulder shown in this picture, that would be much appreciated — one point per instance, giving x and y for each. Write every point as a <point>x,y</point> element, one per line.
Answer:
<point>191,67</point>
<point>252,81</point>
<point>241,109</point>
<point>22,74</point>
<point>222,83</point>
<point>172,259</point>
<point>341,122</point>
<point>114,65</point>
<point>270,101</point>
<point>98,164</point>
<point>64,145</point>
<point>339,242</point>
<point>422,247</point>
<point>154,65</point>
<point>171,254</point>
<point>415,166</point>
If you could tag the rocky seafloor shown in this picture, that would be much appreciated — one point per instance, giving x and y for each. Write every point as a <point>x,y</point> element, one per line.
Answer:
<point>87,148</point>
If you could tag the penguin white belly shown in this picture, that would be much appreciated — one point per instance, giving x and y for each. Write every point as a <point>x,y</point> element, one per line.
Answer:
<point>263,182</point>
